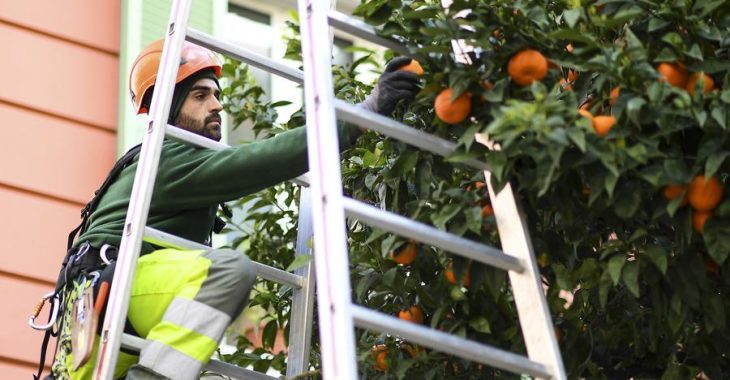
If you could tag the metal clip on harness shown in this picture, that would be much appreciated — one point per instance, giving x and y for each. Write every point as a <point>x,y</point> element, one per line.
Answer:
<point>54,312</point>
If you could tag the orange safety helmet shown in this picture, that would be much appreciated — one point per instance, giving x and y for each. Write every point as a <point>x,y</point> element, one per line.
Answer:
<point>144,70</point>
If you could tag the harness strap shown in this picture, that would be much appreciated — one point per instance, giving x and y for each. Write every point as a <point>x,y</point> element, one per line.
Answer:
<point>44,349</point>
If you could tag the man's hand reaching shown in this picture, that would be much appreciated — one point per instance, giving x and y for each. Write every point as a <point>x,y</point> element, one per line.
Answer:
<point>393,86</point>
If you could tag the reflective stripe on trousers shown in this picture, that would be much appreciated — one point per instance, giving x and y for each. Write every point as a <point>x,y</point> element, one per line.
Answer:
<point>182,302</point>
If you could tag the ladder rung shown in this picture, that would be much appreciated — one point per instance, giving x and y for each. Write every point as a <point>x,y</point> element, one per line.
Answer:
<point>244,55</point>
<point>163,239</point>
<point>134,343</point>
<point>184,136</point>
<point>430,235</point>
<point>191,138</point>
<point>448,343</point>
<point>400,131</point>
<point>358,28</point>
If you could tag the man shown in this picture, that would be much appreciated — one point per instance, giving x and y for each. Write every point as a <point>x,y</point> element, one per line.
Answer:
<point>182,301</point>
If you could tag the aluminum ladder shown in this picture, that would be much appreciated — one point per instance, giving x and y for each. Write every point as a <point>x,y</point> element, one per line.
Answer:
<point>338,316</point>
<point>135,229</point>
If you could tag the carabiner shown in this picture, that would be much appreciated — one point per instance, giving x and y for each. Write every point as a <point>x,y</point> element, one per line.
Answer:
<point>39,307</point>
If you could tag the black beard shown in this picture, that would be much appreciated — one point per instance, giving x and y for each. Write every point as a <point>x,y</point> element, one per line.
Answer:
<point>195,126</point>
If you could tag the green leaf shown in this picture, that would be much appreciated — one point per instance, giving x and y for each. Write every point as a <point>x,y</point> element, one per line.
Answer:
<point>695,52</point>
<point>404,164</point>
<point>658,256</point>
<point>299,261</point>
<point>572,16</point>
<point>714,308</point>
<point>714,162</point>
<point>630,200</point>
<point>578,137</point>
<point>717,238</point>
<point>719,114</point>
<point>389,276</point>
<point>633,109</point>
<point>474,219</point>
<point>656,23</point>
<point>445,214</point>
<point>631,277</point>
<point>615,266</point>
<point>480,324</point>
<point>269,335</point>
<point>605,285</point>
<point>497,163</point>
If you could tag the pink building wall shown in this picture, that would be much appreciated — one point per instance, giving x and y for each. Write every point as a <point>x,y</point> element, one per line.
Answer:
<point>58,105</point>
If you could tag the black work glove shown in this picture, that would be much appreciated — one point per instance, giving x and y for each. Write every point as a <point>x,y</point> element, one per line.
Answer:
<point>393,86</point>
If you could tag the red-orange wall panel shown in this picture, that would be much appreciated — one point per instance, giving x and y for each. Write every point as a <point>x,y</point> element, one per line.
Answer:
<point>59,77</point>
<point>90,22</point>
<point>37,229</point>
<point>19,341</point>
<point>18,371</point>
<point>53,156</point>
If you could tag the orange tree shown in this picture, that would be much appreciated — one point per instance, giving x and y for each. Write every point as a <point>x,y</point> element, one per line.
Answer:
<point>611,119</point>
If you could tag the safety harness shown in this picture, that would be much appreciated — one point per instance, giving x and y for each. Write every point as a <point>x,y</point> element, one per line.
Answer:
<point>85,259</point>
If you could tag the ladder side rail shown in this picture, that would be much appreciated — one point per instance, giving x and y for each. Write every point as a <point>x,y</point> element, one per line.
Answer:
<point>359,28</point>
<point>302,309</point>
<point>527,289</point>
<point>337,335</point>
<point>163,239</point>
<point>448,343</point>
<point>427,234</point>
<point>397,130</point>
<point>134,343</point>
<point>245,55</point>
<point>141,195</point>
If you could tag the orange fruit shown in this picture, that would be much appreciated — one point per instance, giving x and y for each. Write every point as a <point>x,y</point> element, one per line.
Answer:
<point>704,195</point>
<point>407,255</point>
<point>672,191</point>
<point>602,124</point>
<point>452,112</point>
<point>380,353</point>
<point>613,97</point>
<point>451,278</point>
<point>413,67</point>
<point>699,218</point>
<point>527,66</point>
<point>412,314</point>
<point>487,211</point>
<point>711,266</point>
<point>476,185</point>
<point>586,113</point>
<point>673,73</point>
<point>587,104</point>
<point>567,84</point>
<point>707,85</point>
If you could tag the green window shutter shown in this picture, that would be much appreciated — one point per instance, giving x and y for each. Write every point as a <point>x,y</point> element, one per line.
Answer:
<point>144,21</point>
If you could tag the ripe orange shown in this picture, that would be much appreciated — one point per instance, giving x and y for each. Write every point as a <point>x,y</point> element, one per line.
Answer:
<point>407,255</point>
<point>567,84</point>
<point>699,218</point>
<point>704,195</point>
<point>602,124</point>
<point>476,185</point>
<point>673,73</point>
<point>413,67</point>
<point>380,353</point>
<point>412,314</point>
<point>527,66</point>
<point>487,211</point>
<point>672,191</point>
<point>613,97</point>
<point>586,113</point>
<point>452,112</point>
<point>707,85</point>
<point>451,278</point>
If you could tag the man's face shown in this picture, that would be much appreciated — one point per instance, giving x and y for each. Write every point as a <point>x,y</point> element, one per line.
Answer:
<point>200,112</point>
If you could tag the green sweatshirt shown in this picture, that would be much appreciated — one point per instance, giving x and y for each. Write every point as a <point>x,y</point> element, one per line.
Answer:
<point>192,181</point>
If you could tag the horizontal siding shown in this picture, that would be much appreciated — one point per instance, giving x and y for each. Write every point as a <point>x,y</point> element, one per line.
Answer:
<point>59,77</point>
<point>92,22</point>
<point>52,156</point>
<point>20,342</point>
<point>39,229</point>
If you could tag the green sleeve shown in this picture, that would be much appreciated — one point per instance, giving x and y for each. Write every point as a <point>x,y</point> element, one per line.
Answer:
<point>190,177</point>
